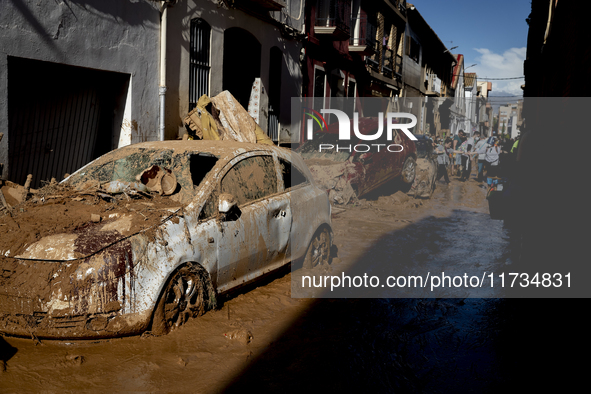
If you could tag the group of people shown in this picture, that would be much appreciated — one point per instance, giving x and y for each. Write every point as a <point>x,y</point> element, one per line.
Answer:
<point>487,152</point>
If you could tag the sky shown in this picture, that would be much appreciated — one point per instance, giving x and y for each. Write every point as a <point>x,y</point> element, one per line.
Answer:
<point>490,34</point>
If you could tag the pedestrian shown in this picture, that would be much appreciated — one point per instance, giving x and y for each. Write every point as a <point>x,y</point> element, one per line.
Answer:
<point>442,152</point>
<point>492,158</point>
<point>466,154</point>
<point>457,141</point>
<point>480,148</point>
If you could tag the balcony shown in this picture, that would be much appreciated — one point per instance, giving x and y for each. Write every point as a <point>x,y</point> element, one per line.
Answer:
<point>401,4</point>
<point>268,5</point>
<point>271,5</point>
<point>363,37</point>
<point>391,65</point>
<point>333,19</point>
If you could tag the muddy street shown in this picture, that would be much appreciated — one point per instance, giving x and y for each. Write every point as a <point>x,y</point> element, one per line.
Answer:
<point>266,339</point>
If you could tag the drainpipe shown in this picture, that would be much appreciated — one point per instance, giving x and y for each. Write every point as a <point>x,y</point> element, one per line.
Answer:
<point>162,87</point>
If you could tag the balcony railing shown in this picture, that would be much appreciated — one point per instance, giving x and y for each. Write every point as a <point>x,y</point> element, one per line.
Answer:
<point>400,4</point>
<point>333,17</point>
<point>391,63</point>
<point>272,5</point>
<point>363,36</point>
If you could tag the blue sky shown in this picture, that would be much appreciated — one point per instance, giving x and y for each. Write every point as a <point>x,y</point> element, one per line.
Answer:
<point>490,34</point>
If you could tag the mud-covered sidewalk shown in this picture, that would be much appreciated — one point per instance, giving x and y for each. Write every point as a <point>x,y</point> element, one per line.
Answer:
<point>263,340</point>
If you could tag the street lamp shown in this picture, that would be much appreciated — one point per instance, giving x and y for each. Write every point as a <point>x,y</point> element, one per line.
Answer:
<point>470,66</point>
<point>450,49</point>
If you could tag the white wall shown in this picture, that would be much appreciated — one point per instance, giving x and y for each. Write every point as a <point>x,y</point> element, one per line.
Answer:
<point>220,19</point>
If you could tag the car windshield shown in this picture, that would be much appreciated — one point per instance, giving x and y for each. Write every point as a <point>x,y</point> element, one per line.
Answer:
<point>123,164</point>
<point>311,149</point>
<point>128,163</point>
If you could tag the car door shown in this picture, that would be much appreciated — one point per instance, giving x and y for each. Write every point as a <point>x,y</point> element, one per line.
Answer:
<point>253,236</point>
<point>301,206</point>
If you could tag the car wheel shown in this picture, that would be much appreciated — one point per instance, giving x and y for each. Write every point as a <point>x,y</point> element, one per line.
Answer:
<point>319,250</point>
<point>183,297</point>
<point>409,170</point>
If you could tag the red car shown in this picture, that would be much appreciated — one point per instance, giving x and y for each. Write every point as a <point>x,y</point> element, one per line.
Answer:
<point>356,166</point>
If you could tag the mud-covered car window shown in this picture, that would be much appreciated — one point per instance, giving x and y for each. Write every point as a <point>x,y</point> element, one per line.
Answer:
<point>201,164</point>
<point>291,175</point>
<point>123,165</point>
<point>251,179</point>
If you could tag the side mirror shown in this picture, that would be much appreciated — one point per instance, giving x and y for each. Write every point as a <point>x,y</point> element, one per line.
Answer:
<point>226,202</point>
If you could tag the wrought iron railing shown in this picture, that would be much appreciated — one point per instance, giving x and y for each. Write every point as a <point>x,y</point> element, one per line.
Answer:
<point>334,13</point>
<point>363,32</point>
<point>391,63</point>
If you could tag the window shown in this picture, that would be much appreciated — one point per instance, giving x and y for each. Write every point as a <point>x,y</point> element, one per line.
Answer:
<point>251,179</point>
<point>414,50</point>
<point>201,164</point>
<point>199,61</point>
<point>351,93</point>
<point>319,77</point>
<point>291,175</point>
<point>351,88</point>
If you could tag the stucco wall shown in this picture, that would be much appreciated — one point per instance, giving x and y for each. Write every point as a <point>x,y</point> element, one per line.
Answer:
<point>111,35</point>
<point>220,19</point>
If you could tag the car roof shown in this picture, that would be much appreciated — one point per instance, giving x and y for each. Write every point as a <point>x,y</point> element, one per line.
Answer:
<point>224,150</point>
<point>220,149</point>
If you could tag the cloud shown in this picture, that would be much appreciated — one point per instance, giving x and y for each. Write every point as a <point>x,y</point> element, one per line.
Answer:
<point>506,65</point>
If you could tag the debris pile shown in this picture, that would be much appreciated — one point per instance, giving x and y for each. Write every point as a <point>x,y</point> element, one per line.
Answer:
<point>223,118</point>
<point>28,216</point>
<point>333,177</point>
<point>424,183</point>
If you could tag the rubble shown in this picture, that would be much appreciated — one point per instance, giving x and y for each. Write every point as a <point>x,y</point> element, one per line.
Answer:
<point>424,183</point>
<point>228,121</point>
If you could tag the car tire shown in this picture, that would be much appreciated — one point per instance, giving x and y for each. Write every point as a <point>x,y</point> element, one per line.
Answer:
<point>185,295</point>
<point>409,170</point>
<point>318,252</point>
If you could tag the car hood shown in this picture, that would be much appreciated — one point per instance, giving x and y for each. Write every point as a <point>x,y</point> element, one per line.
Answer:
<point>85,240</point>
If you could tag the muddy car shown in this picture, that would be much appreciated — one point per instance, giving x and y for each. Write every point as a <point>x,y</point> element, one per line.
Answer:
<point>346,173</point>
<point>175,224</point>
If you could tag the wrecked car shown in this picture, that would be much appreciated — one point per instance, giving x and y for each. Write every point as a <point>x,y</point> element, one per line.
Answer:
<point>358,167</point>
<point>148,235</point>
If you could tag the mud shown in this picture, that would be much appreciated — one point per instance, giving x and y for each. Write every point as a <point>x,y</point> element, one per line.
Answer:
<point>263,340</point>
<point>63,210</point>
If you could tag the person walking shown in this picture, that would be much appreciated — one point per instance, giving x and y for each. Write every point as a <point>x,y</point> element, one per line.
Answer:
<point>480,148</point>
<point>442,152</point>
<point>492,156</point>
<point>457,141</point>
<point>466,155</point>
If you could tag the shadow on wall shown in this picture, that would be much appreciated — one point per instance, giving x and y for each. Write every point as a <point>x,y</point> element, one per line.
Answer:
<point>134,13</point>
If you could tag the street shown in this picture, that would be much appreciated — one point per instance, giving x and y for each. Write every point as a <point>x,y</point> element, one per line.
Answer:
<point>265,340</point>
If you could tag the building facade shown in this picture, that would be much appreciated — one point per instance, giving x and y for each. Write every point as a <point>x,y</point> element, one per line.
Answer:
<point>226,45</point>
<point>76,80</point>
